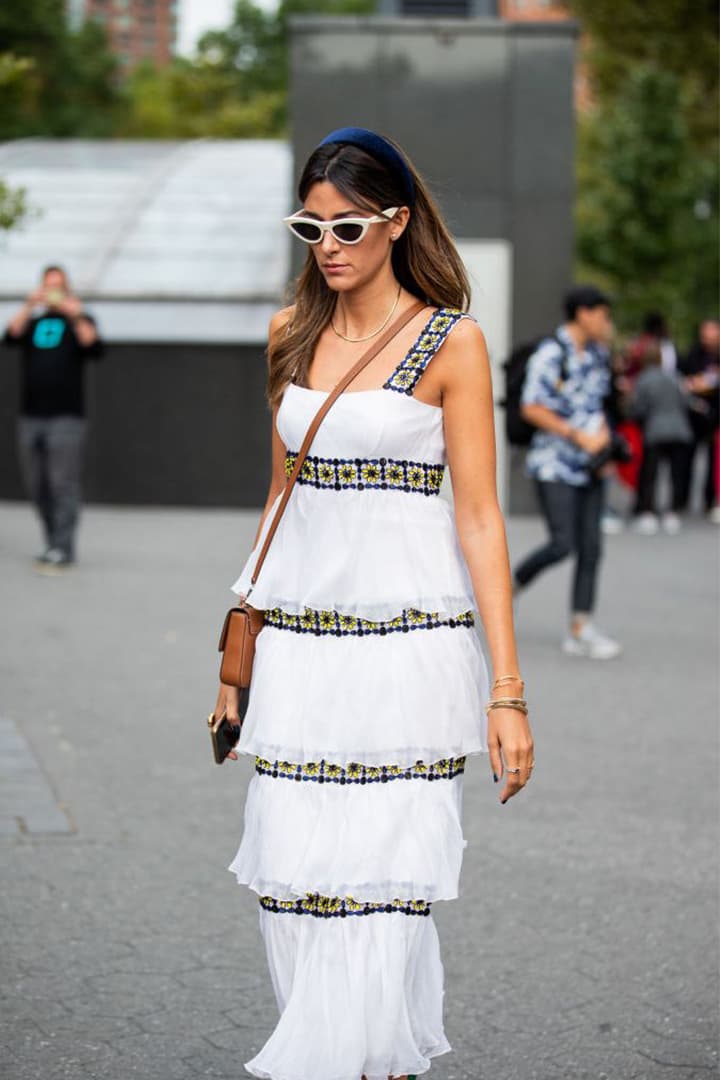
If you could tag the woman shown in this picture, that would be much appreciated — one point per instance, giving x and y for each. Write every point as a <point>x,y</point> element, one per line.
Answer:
<point>369,683</point>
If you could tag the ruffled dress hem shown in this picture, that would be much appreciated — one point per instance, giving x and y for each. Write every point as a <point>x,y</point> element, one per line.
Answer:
<point>418,1067</point>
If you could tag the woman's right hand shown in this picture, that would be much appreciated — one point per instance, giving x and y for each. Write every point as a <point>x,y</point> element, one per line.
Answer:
<point>228,701</point>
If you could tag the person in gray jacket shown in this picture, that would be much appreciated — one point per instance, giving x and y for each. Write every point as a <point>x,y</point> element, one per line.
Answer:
<point>660,405</point>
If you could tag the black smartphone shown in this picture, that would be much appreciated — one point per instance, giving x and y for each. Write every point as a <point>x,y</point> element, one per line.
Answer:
<point>223,734</point>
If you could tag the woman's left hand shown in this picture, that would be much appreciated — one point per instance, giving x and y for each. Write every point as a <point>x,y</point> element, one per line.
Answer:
<point>510,744</point>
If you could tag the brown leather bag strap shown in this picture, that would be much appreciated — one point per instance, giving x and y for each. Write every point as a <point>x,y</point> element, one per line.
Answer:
<point>334,394</point>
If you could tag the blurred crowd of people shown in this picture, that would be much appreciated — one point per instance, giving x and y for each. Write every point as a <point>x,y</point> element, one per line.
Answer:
<point>592,416</point>
<point>667,406</point>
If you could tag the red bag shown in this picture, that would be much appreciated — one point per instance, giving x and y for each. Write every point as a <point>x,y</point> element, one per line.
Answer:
<point>629,473</point>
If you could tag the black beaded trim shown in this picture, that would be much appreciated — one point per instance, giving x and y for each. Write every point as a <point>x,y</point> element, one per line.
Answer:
<point>330,907</point>
<point>386,474</point>
<point>322,772</point>
<point>335,623</point>
<point>407,374</point>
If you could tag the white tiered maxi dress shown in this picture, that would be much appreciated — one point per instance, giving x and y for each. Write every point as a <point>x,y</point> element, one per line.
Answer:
<point>366,699</point>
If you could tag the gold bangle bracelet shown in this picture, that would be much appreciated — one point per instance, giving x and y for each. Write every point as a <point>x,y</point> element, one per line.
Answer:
<point>506,679</point>
<point>508,703</point>
<point>502,705</point>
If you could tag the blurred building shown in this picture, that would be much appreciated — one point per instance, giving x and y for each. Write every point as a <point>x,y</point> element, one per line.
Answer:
<point>540,11</point>
<point>532,10</point>
<point>450,9</point>
<point>514,10</point>
<point>178,249</point>
<point>137,29</point>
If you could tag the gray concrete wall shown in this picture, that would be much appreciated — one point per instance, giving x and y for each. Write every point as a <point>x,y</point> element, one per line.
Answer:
<point>182,425</point>
<point>484,108</point>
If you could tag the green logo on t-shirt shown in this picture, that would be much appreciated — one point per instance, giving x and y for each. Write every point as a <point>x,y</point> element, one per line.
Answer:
<point>48,333</point>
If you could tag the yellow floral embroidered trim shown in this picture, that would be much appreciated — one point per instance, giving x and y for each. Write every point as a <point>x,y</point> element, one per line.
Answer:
<point>407,374</point>
<point>339,474</point>
<point>322,772</point>
<point>312,621</point>
<point>327,907</point>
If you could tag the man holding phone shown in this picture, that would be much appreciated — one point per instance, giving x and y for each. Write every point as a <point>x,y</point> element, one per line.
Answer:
<point>56,338</point>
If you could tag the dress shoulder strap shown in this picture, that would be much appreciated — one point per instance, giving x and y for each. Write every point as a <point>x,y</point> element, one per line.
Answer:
<point>406,375</point>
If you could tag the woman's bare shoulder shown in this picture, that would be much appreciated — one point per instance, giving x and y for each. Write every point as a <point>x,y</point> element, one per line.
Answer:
<point>464,353</point>
<point>280,320</point>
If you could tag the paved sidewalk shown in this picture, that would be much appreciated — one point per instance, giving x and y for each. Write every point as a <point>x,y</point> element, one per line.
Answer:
<point>585,943</point>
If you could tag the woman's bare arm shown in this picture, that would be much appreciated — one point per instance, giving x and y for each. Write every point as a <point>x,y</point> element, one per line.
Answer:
<point>228,698</point>
<point>463,371</point>
<point>277,475</point>
<point>278,449</point>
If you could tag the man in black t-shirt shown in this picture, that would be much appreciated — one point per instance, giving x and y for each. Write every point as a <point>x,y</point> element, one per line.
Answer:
<point>56,337</point>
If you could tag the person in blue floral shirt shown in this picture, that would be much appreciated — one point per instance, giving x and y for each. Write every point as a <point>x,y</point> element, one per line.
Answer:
<point>567,385</point>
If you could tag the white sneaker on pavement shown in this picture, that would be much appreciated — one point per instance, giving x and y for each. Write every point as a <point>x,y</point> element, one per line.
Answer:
<point>591,644</point>
<point>646,524</point>
<point>611,523</point>
<point>53,562</point>
<point>671,523</point>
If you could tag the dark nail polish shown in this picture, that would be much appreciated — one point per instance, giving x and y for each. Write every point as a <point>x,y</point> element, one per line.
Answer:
<point>495,778</point>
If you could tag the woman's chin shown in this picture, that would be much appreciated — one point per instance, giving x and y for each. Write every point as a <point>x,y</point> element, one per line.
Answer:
<point>339,284</point>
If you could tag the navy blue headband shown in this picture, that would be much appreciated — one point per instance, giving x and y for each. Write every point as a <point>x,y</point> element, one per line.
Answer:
<point>380,149</point>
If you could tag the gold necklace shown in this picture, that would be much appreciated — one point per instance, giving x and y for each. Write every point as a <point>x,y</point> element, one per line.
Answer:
<point>375,333</point>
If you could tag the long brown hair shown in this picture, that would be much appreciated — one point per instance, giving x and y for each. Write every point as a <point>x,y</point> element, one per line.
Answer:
<point>424,258</point>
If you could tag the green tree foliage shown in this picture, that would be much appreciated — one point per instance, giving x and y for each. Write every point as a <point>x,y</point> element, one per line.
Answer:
<point>645,216</point>
<point>676,36</point>
<point>648,186</point>
<point>192,99</point>
<point>237,83</point>
<point>13,206</point>
<point>13,202</point>
<point>68,83</point>
<point>16,73</point>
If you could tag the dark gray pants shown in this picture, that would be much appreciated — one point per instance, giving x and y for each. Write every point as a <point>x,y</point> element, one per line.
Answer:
<point>676,454</point>
<point>573,518</point>
<point>51,458</point>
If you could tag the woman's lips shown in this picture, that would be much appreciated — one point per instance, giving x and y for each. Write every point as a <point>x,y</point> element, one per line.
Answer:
<point>334,268</point>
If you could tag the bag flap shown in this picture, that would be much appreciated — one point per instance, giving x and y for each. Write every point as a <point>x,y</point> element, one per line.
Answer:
<point>225,629</point>
<point>253,618</point>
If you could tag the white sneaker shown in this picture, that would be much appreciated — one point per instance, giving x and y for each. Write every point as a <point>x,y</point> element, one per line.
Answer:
<point>591,644</point>
<point>671,523</point>
<point>611,523</point>
<point>646,524</point>
<point>53,562</point>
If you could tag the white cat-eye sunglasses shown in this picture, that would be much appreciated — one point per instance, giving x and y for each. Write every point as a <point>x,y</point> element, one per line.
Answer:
<point>347,230</point>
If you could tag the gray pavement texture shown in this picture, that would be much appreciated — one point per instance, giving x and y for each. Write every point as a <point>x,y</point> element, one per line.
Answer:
<point>585,943</point>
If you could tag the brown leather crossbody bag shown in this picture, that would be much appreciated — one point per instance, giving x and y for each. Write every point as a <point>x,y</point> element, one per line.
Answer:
<point>244,622</point>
